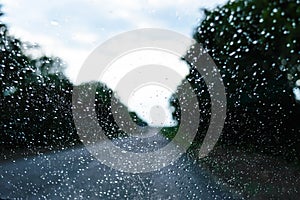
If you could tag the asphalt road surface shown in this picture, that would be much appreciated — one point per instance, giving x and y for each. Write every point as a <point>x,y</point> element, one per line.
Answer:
<point>75,174</point>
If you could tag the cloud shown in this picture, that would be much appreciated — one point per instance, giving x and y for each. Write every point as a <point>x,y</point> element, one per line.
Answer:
<point>71,29</point>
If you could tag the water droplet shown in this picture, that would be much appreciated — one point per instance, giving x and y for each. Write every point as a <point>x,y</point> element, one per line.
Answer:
<point>54,23</point>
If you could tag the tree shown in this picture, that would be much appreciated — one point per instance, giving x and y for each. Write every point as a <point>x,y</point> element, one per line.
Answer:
<point>256,45</point>
<point>15,65</point>
<point>35,97</point>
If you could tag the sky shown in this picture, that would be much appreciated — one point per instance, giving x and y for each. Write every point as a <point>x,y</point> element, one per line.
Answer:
<point>72,29</point>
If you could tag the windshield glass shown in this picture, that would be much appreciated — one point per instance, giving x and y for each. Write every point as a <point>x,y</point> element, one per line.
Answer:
<point>150,99</point>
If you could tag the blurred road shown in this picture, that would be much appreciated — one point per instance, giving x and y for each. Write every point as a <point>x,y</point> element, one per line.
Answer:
<point>75,174</point>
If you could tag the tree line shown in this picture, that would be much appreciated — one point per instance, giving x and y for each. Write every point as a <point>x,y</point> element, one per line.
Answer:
<point>254,43</point>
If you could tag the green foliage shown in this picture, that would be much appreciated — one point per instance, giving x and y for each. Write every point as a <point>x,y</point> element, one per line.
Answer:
<point>256,45</point>
<point>169,132</point>
<point>135,118</point>
<point>36,99</point>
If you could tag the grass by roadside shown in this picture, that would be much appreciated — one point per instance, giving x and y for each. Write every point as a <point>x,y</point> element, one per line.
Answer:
<point>249,172</point>
<point>254,175</point>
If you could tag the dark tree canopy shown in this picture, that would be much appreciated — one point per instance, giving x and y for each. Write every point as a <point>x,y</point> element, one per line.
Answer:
<point>256,45</point>
<point>36,98</point>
